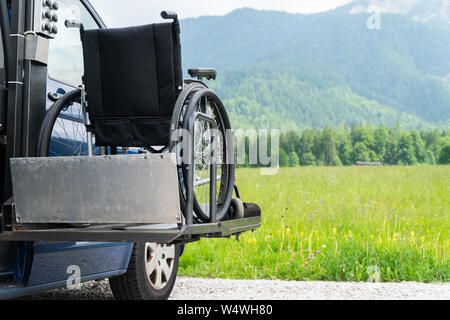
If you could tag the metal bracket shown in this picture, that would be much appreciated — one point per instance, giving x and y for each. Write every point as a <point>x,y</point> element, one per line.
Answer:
<point>8,215</point>
<point>36,48</point>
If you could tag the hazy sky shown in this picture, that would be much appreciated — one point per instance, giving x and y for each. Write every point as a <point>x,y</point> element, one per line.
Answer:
<point>116,13</point>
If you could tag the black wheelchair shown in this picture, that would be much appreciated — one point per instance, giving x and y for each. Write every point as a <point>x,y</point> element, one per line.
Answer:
<point>134,100</point>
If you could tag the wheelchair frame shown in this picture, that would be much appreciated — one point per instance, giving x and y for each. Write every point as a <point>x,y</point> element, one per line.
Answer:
<point>26,63</point>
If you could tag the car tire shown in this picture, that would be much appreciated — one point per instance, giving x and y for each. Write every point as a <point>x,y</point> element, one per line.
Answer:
<point>151,273</point>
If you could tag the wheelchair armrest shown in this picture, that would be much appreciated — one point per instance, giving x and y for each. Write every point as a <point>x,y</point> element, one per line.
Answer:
<point>199,73</point>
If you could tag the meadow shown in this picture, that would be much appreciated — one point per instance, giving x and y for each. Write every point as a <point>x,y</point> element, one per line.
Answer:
<point>337,224</point>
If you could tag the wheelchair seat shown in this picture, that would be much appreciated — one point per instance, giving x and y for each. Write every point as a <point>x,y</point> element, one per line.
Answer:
<point>133,77</point>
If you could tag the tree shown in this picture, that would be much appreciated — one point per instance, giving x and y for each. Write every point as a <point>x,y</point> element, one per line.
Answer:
<point>308,159</point>
<point>391,149</point>
<point>406,152</point>
<point>306,144</point>
<point>336,162</point>
<point>430,158</point>
<point>317,147</point>
<point>374,157</point>
<point>444,155</point>
<point>284,159</point>
<point>364,135</point>
<point>328,143</point>
<point>290,141</point>
<point>419,146</point>
<point>432,141</point>
<point>293,160</point>
<point>381,136</point>
<point>345,152</point>
<point>361,153</point>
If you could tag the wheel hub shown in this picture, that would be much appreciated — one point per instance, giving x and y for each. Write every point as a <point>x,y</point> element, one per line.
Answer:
<point>159,261</point>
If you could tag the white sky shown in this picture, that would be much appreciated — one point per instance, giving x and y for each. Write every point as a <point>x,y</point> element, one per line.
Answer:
<point>134,12</point>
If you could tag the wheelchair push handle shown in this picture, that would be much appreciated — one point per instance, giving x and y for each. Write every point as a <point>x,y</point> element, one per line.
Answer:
<point>74,24</point>
<point>169,15</point>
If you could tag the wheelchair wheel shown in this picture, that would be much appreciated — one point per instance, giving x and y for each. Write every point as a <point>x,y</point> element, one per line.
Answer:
<point>197,98</point>
<point>63,132</point>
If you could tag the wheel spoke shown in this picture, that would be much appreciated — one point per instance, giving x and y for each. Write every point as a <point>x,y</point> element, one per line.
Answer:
<point>158,279</point>
<point>169,252</point>
<point>151,266</point>
<point>165,269</point>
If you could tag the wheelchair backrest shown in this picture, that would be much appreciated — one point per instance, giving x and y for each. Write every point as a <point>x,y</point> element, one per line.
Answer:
<point>132,77</point>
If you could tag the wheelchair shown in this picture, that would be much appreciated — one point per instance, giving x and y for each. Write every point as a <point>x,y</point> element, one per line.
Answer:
<point>133,99</point>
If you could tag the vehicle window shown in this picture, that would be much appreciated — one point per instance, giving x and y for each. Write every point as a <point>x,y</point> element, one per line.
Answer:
<point>65,62</point>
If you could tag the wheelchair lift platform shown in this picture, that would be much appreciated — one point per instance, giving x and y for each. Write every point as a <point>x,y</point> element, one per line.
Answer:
<point>163,234</point>
<point>105,198</point>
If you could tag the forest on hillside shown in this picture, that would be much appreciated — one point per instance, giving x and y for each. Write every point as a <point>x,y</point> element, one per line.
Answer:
<point>291,72</point>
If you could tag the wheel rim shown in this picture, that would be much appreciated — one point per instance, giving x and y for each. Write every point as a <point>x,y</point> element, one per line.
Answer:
<point>159,264</point>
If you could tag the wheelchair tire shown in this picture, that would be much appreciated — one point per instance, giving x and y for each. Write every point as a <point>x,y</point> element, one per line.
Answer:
<point>177,123</point>
<point>137,284</point>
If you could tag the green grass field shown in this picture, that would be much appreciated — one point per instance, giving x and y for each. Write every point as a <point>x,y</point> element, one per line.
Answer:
<point>337,224</point>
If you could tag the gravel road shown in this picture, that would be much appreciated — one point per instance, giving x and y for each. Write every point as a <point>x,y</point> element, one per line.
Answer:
<point>215,289</point>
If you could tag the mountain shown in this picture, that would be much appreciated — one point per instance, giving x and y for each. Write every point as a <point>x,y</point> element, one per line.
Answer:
<point>434,12</point>
<point>291,71</point>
